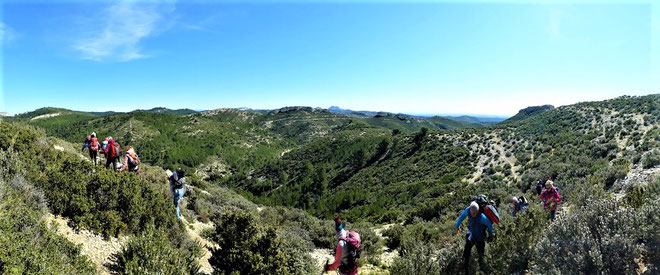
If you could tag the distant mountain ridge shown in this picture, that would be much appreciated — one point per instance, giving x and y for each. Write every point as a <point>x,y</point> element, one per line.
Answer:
<point>472,121</point>
<point>482,120</point>
<point>163,110</point>
<point>157,110</point>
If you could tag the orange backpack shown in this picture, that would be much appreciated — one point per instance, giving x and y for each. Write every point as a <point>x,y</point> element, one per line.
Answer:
<point>94,146</point>
<point>133,158</point>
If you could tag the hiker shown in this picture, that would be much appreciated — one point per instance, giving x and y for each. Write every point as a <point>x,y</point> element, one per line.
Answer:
<point>110,153</point>
<point>131,160</point>
<point>93,147</point>
<point>347,251</point>
<point>550,196</point>
<point>105,144</point>
<point>476,234</point>
<point>519,204</point>
<point>177,188</point>
<point>118,153</point>
<point>88,140</point>
<point>541,183</point>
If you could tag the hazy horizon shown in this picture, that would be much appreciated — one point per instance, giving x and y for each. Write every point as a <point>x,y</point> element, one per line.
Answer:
<point>316,107</point>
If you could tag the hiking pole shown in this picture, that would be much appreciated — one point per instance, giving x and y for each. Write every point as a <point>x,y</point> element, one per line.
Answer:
<point>326,264</point>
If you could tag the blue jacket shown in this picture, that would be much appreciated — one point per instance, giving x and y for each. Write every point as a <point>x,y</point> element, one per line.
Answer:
<point>476,225</point>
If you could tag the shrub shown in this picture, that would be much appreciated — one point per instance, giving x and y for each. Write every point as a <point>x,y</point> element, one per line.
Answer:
<point>246,247</point>
<point>600,237</point>
<point>104,201</point>
<point>319,232</point>
<point>513,248</point>
<point>370,243</point>
<point>296,244</point>
<point>152,252</point>
<point>28,245</point>
<point>651,159</point>
<point>418,258</point>
<point>650,236</point>
<point>393,236</point>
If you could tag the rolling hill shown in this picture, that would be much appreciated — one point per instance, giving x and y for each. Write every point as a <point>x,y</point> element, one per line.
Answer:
<point>399,180</point>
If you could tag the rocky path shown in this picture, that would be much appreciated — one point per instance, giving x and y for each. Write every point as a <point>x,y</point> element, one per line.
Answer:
<point>194,230</point>
<point>92,245</point>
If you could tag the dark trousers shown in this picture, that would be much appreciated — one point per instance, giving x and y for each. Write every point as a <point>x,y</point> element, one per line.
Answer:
<point>552,214</point>
<point>112,161</point>
<point>348,270</point>
<point>481,245</point>
<point>92,155</point>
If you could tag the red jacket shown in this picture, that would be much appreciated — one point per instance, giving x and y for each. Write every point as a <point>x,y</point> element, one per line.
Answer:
<point>110,149</point>
<point>548,196</point>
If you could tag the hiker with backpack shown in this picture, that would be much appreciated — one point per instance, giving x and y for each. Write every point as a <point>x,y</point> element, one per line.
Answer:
<point>347,251</point>
<point>177,188</point>
<point>105,145</point>
<point>111,154</point>
<point>93,148</point>
<point>88,140</point>
<point>131,160</point>
<point>550,197</point>
<point>476,234</point>
<point>119,154</point>
<point>519,204</point>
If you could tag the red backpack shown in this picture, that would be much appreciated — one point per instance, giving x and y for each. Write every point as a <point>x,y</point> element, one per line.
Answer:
<point>486,207</point>
<point>94,146</point>
<point>352,240</point>
<point>117,149</point>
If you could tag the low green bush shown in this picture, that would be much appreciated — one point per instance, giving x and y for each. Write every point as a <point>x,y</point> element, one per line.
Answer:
<point>28,245</point>
<point>651,159</point>
<point>598,238</point>
<point>512,250</point>
<point>246,247</point>
<point>393,236</point>
<point>152,252</point>
<point>370,243</point>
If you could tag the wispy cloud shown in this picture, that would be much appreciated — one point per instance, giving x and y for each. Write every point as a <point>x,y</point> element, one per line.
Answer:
<point>555,23</point>
<point>6,33</point>
<point>117,33</point>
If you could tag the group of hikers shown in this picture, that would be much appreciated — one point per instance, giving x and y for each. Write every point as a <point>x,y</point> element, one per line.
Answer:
<point>111,150</point>
<point>481,215</point>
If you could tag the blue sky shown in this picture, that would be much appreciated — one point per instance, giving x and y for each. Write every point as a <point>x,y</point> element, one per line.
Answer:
<point>487,57</point>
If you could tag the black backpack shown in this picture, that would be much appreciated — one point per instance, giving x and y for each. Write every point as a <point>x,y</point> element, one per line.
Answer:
<point>177,182</point>
<point>482,201</point>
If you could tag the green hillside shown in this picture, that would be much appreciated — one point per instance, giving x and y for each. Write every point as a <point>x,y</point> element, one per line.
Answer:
<point>529,111</point>
<point>230,138</point>
<point>286,173</point>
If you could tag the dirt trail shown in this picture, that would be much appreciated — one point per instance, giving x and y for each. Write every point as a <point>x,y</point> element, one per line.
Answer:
<point>93,246</point>
<point>195,234</point>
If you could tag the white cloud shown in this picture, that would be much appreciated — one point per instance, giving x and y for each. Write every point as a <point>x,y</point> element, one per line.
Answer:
<point>6,33</point>
<point>118,31</point>
<point>2,31</point>
<point>555,23</point>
